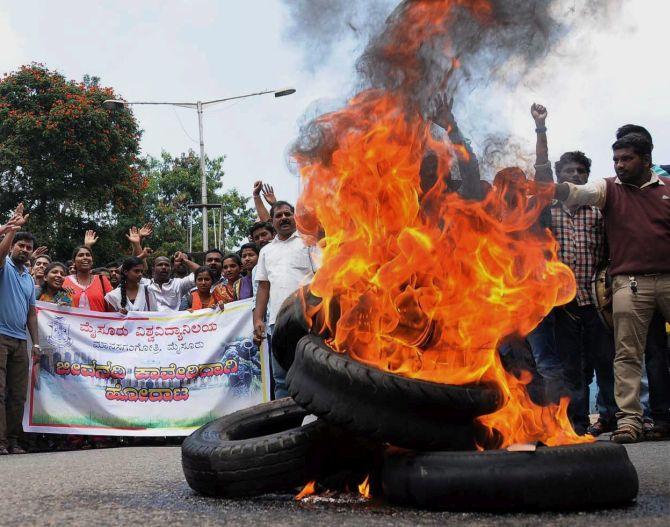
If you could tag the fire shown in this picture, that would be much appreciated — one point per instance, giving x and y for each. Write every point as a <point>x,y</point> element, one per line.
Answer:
<point>427,283</point>
<point>364,488</point>
<point>307,490</point>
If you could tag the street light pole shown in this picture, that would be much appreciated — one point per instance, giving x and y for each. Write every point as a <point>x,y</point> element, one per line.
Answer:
<point>203,183</point>
<point>198,106</point>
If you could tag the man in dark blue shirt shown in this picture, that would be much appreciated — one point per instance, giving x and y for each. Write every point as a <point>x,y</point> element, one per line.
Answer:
<point>17,310</point>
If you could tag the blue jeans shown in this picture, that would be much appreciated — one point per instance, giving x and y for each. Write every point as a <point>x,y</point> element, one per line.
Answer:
<point>585,345</point>
<point>278,373</point>
<point>542,342</point>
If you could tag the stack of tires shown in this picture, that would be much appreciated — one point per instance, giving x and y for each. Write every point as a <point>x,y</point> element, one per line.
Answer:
<point>418,439</point>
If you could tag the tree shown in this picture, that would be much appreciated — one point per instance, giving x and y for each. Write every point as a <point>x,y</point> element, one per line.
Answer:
<point>72,162</point>
<point>173,183</point>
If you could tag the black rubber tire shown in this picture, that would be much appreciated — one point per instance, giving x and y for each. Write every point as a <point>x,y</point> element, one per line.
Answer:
<point>266,449</point>
<point>551,478</point>
<point>386,407</point>
<point>290,326</point>
<point>292,323</point>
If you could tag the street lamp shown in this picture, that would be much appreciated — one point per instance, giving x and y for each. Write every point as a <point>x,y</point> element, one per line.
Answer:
<point>116,104</point>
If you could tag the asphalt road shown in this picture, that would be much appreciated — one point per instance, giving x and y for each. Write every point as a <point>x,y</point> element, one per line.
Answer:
<point>145,486</point>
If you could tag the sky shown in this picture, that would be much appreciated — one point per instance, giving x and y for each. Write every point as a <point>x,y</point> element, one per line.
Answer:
<point>184,51</point>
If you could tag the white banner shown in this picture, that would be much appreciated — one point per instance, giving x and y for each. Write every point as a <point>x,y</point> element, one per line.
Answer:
<point>143,374</point>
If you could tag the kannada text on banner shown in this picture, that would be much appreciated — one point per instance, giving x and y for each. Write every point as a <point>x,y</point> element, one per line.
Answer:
<point>143,374</point>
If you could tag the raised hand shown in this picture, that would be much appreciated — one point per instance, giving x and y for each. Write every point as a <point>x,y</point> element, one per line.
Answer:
<point>18,219</point>
<point>258,186</point>
<point>539,113</point>
<point>179,257</point>
<point>146,252</point>
<point>146,230</point>
<point>443,115</point>
<point>269,194</point>
<point>134,235</point>
<point>90,238</point>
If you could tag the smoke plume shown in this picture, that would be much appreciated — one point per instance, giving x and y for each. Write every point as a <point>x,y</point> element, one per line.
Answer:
<point>470,46</point>
<point>317,26</point>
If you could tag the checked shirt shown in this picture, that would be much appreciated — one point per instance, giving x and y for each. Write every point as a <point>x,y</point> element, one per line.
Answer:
<point>581,239</point>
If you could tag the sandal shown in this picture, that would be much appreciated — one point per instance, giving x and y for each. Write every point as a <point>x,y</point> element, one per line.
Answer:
<point>626,434</point>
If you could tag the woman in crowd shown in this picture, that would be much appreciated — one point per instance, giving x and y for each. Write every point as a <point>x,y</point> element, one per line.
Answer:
<point>89,289</point>
<point>232,272</point>
<point>202,296</point>
<point>39,265</point>
<point>132,294</point>
<point>52,290</point>
<point>249,256</point>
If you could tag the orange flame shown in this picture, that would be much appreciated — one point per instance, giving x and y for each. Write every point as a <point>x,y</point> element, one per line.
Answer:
<point>307,490</point>
<point>427,283</point>
<point>364,488</point>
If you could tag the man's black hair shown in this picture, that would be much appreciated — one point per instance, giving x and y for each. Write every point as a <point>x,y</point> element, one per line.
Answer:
<point>33,260</point>
<point>99,270</point>
<point>573,157</point>
<point>634,129</point>
<point>23,236</point>
<point>210,251</point>
<point>170,260</point>
<point>261,225</point>
<point>250,245</point>
<point>278,204</point>
<point>638,142</point>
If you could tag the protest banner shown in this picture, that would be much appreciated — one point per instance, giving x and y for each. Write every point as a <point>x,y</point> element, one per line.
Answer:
<point>143,374</point>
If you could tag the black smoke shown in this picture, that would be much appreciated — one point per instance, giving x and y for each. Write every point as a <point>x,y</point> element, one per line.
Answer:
<point>468,53</point>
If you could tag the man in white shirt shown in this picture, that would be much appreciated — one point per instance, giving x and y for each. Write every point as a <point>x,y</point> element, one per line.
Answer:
<point>284,265</point>
<point>169,291</point>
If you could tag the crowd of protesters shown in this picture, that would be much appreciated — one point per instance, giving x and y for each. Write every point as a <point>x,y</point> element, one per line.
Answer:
<point>27,274</point>
<point>623,222</point>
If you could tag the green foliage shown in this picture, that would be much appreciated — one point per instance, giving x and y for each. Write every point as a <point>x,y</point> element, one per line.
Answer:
<point>75,166</point>
<point>173,183</point>
<point>72,162</point>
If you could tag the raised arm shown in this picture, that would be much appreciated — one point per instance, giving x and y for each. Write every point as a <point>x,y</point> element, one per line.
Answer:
<point>180,257</point>
<point>135,240</point>
<point>262,212</point>
<point>14,224</point>
<point>468,165</point>
<point>543,171</point>
<point>90,239</point>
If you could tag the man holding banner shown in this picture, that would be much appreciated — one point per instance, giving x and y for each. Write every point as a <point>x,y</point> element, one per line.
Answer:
<point>17,310</point>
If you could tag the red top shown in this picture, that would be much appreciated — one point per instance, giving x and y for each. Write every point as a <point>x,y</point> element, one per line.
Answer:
<point>95,292</point>
<point>637,221</point>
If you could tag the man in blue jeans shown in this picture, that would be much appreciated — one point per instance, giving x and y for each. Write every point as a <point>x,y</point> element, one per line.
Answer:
<point>17,310</point>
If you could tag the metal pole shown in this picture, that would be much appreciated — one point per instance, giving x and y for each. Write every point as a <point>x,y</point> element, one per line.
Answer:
<point>203,182</point>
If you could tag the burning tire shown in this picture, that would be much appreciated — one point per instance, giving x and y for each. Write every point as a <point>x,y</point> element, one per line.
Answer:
<point>292,324</point>
<point>383,406</point>
<point>266,448</point>
<point>556,478</point>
